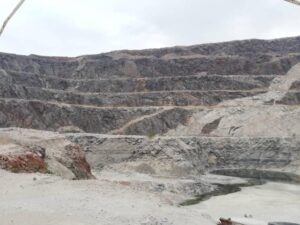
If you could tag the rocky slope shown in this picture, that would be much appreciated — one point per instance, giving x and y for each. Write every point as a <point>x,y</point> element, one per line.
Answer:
<point>120,87</point>
<point>173,113</point>
<point>189,156</point>
<point>264,115</point>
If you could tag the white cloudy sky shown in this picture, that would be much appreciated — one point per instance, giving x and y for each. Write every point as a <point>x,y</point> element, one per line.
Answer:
<point>75,27</point>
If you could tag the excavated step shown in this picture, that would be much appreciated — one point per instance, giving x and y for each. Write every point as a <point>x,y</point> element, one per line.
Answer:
<point>290,98</point>
<point>42,87</point>
<point>237,57</point>
<point>201,153</point>
<point>133,99</point>
<point>192,82</point>
<point>52,116</point>
<point>296,86</point>
<point>157,123</point>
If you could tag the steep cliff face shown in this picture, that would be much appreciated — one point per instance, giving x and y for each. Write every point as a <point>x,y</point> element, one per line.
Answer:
<point>239,57</point>
<point>135,90</point>
<point>189,156</point>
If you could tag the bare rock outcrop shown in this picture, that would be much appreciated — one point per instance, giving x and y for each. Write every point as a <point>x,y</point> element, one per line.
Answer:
<point>34,151</point>
<point>28,161</point>
<point>265,115</point>
<point>188,156</point>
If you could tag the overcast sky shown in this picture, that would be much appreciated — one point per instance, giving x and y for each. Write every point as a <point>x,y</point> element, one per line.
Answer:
<point>76,27</point>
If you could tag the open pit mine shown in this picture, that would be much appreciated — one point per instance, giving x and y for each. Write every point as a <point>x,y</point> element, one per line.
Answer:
<point>172,136</point>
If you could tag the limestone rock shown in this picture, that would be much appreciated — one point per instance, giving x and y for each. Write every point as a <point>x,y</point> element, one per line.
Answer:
<point>45,152</point>
<point>27,161</point>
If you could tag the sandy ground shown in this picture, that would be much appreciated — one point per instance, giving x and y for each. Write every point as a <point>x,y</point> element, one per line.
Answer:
<point>270,202</point>
<point>31,199</point>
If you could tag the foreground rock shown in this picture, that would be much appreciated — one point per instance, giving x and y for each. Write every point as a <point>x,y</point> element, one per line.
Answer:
<point>26,161</point>
<point>33,151</point>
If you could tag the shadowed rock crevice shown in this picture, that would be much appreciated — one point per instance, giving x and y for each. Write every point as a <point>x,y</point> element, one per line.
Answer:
<point>210,127</point>
<point>79,166</point>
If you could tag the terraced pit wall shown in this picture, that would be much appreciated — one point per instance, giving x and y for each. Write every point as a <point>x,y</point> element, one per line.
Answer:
<point>106,93</point>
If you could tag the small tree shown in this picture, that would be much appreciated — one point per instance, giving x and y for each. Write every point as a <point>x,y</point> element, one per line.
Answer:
<point>10,16</point>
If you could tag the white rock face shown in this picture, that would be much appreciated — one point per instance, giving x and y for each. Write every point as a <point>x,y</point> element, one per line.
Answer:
<point>258,116</point>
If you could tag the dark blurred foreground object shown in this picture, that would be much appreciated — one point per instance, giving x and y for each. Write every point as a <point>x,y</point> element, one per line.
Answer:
<point>296,2</point>
<point>282,223</point>
<point>11,15</point>
<point>229,222</point>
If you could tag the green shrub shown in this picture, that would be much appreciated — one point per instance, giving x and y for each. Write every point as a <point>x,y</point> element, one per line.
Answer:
<point>151,134</point>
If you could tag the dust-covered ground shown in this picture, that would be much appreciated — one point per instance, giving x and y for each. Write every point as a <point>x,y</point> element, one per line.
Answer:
<point>31,199</point>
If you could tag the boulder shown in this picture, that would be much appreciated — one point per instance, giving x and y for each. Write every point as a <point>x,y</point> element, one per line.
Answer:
<point>28,151</point>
